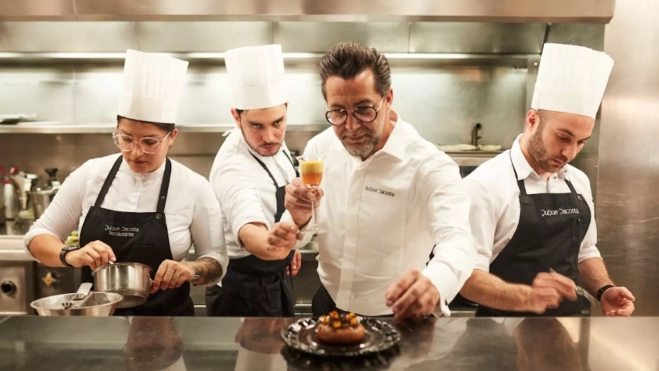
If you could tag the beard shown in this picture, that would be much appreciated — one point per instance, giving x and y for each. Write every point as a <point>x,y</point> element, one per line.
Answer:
<point>258,149</point>
<point>538,153</point>
<point>363,150</point>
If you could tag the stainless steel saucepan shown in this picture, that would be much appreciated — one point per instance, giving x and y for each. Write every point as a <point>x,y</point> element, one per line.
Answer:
<point>131,280</point>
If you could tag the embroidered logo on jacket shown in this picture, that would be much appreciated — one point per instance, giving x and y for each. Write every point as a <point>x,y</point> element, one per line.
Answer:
<point>380,191</point>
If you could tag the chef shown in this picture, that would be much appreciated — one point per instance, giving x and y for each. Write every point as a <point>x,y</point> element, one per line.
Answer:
<point>389,196</point>
<point>248,176</point>
<point>532,214</point>
<point>121,201</point>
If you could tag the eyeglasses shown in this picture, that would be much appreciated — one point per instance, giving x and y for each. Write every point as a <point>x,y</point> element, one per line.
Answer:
<point>364,114</point>
<point>148,145</point>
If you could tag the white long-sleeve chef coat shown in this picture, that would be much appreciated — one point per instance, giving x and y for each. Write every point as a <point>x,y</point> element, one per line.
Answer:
<point>495,207</point>
<point>192,213</point>
<point>244,189</point>
<point>385,214</point>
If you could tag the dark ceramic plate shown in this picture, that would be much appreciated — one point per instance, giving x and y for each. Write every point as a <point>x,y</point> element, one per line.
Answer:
<point>302,337</point>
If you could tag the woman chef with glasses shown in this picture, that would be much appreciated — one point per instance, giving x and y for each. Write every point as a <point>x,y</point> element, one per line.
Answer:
<point>139,206</point>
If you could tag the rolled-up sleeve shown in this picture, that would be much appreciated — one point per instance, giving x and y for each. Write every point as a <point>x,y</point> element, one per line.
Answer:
<point>588,248</point>
<point>482,219</point>
<point>63,214</point>
<point>238,196</point>
<point>439,183</point>
<point>206,229</point>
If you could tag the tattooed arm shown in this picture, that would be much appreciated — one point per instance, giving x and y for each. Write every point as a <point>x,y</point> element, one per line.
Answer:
<point>207,232</point>
<point>208,269</point>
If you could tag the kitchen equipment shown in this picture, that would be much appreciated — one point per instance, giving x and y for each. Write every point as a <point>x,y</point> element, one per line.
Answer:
<point>131,280</point>
<point>475,131</point>
<point>12,119</point>
<point>97,304</point>
<point>79,298</point>
<point>16,287</point>
<point>41,198</point>
<point>301,336</point>
<point>24,184</point>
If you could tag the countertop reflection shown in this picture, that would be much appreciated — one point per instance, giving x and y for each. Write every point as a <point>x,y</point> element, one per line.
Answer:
<point>202,343</point>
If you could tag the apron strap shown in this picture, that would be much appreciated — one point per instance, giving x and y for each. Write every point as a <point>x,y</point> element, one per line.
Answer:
<point>164,188</point>
<point>266,169</point>
<point>297,173</point>
<point>575,196</point>
<point>108,182</point>
<point>520,182</point>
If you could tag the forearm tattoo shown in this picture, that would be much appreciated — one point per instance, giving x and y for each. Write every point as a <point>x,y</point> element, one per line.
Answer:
<point>208,270</point>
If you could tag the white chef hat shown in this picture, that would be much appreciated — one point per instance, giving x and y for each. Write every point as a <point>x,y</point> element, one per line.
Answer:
<point>152,87</point>
<point>256,75</point>
<point>571,79</point>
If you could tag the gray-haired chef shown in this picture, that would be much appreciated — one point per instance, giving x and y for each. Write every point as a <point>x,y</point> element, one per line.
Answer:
<point>139,206</point>
<point>532,214</point>
<point>388,197</point>
<point>248,176</point>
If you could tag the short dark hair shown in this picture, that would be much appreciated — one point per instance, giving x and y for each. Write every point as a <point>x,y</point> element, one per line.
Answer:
<point>168,127</point>
<point>240,111</point>
<point>347,60</point>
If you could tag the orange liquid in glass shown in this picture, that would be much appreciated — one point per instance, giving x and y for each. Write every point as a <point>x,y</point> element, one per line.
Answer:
<point>312,172</point>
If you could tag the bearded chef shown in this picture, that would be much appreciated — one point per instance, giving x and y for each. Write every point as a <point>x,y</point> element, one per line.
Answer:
<point>389,196</point>
<point>248,177</point>
<point>532,214</point>
<point>122,202</point>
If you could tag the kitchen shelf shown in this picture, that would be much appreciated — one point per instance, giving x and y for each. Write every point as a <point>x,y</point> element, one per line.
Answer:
<point>56,127</point>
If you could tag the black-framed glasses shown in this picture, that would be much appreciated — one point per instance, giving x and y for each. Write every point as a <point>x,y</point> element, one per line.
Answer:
<point>148,145</point>
<point>363,114</point>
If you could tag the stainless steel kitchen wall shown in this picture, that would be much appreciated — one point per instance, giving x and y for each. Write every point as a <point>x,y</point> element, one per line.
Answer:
<point>441,102</point>
<point>628,201</point>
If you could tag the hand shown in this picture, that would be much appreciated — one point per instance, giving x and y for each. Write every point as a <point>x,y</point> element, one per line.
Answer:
<point>298,201</point>
<point>548,291</point>
<point>94,255</point>
<point>296,263</point>
<point>413,295</point>
<point>617,301</point>
<point>281,239</point>
<point>171,274</point>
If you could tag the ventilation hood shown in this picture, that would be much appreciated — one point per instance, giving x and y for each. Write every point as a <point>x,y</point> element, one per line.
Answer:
<point>543,11</point>
<point>204,29</point>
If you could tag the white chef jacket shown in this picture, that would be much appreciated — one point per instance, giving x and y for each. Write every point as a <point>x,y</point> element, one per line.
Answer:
<point>385,214</point>
<point>244,189</point>
<point>495,207</point>
<point>192,212</point>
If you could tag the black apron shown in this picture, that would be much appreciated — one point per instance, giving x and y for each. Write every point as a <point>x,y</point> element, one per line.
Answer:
<point>549,234</point>
<point>138,238</point>
<point>254,287</point>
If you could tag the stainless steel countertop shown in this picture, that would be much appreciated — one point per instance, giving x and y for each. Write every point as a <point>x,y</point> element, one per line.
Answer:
<point>61,343</point>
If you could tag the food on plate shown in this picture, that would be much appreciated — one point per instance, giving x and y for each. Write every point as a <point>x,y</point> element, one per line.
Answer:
<point>340,328</point>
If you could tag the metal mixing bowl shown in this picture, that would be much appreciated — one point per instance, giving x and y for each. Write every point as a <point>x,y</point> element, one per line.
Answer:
<point>98,304</point>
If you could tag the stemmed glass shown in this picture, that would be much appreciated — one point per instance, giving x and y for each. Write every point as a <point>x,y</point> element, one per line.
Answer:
<point>311,168</point>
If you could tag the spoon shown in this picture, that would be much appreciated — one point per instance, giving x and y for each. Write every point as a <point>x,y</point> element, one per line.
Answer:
<point>79,297</point>
<point>581,291</point>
